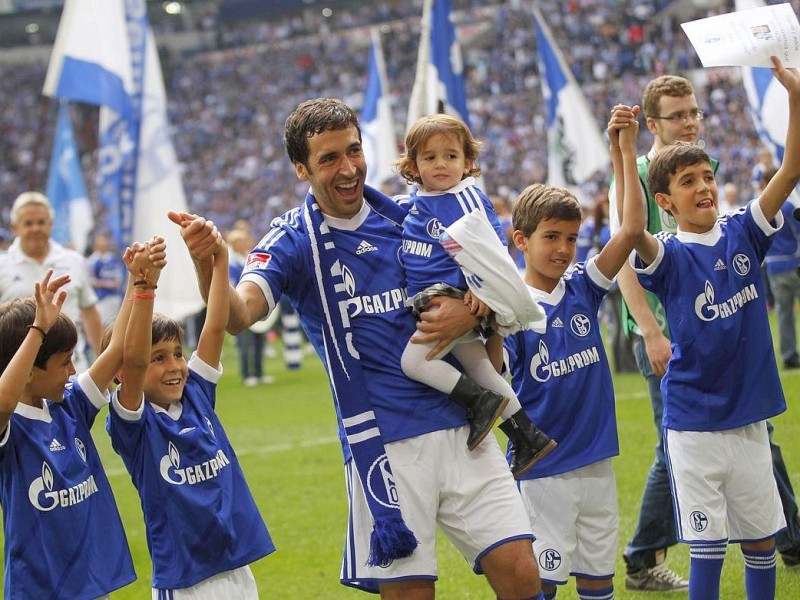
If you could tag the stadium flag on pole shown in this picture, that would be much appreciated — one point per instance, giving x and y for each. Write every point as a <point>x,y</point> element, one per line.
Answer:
<point>105,54</point>
<point>377,124</point>
<point>769,104</point>
<point>66,188</point>
<point>576,149</point>
<point>439,81</point>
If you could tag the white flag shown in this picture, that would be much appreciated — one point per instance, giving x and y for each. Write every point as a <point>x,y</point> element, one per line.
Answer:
<point>576,149</point>
<point>377,123</point>
<point>105,54</point>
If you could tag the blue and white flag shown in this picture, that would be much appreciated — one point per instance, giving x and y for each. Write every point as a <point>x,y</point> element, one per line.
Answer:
<point>576,149</point>
<point>105,54</point>
<point>439,81</point>
<point>66,189</point>
<point>377,124</point>
<point>769,104</point>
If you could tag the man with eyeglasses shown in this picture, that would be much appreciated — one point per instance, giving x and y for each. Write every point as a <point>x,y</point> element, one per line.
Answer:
<point>671,114</point>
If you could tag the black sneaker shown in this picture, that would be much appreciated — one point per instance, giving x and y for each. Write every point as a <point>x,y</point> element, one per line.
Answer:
<point>656,579</point>
<point>792,363</point>
<point>791,558</point>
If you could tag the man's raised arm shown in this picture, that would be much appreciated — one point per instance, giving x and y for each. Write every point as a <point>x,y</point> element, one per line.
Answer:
<point>203,239</point>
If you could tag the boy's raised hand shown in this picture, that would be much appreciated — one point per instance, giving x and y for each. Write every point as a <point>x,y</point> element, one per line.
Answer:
<point>629,127</point>
<point>623,121</point>
<point>789,78</point>
<point>145,260</point>
<point>49,299</point>
<point>158,252</point>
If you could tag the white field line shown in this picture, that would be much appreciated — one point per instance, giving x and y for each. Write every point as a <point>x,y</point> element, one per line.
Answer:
<point>273,448</point>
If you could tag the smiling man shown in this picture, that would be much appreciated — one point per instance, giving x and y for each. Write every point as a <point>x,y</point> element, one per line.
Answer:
<point>406,460</point>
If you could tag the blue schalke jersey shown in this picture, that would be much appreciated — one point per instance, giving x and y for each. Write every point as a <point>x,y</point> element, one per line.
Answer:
<point>425,260</point>
<point>369,250</point>
<point>723,372</point>
<point>106,266</point>
<point>63,533</point>
<point>200,517</point>
<point>562,377</point>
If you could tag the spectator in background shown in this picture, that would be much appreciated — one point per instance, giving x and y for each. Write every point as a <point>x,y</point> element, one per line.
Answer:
<point>729,200</point>
<point>106,271</point>
<point>251,342</point>
<point>586,238</point>
<point>782,261</point>
<point>29,257</point>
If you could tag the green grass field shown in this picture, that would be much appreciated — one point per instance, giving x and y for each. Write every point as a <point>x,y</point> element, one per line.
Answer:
<point>285,437</point>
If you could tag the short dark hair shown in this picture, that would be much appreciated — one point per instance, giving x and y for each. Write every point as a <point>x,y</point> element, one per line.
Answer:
<point>665,85</point>
<point>166,328</point>
<point>311,118</point>
<point>667,162</point>
<point>16,317</point>
<point>539,202</point>
<point>423,130</point>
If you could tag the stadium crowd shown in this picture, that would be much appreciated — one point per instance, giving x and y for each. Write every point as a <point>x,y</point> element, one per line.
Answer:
<point>227,104</point>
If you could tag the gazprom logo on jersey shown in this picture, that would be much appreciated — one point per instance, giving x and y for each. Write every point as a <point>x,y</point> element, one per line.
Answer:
<point>381,483</point>
<point>542,369</point>
<point>43,497</point>
<point>384,302</point>
<point>707,309</point>
<point>172,472</point>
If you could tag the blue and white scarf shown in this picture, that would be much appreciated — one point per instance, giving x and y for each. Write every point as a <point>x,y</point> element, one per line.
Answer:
<point>391,538</point>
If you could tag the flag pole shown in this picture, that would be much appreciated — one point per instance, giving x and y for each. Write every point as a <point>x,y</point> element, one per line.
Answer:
<point>34,182</point>
<point>416,105</point>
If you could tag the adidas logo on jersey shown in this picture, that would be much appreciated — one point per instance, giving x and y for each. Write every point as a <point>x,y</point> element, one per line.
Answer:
<point>55,446</point>
<point>719,265</point>
<point>557,322</point>
<point>365,246</point>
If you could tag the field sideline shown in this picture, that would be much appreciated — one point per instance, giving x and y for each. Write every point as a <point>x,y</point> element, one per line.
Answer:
<point>285,436</point>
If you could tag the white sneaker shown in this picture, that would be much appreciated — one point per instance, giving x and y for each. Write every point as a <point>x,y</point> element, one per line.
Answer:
<point>250,381</point>
<point>656,579</point>
<point>267,379</point>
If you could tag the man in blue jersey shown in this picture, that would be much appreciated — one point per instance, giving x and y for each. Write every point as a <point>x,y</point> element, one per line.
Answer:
<point>671,114</point>
<point>336,259</point>
<point>721,384</point>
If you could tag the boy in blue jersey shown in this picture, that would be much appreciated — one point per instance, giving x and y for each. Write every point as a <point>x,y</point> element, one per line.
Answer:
<point>107,273</point>
<point>721,382</point>
<point>563,378</point>
<point>202,524</point>
<point>63,534</point>
<point>441,158</point>
<point>404,443</point>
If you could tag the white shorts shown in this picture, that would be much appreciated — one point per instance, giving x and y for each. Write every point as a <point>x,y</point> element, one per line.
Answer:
<point>236,584</point>
<point>575,519</point>
<point>470,496</point>
<point>108,307</point>
<point>722,484</point>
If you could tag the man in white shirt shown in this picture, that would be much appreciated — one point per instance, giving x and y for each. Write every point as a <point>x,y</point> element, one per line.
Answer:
<point>33,252</point>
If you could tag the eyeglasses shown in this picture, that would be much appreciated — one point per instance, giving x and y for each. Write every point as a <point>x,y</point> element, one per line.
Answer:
<point>692,115</point>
